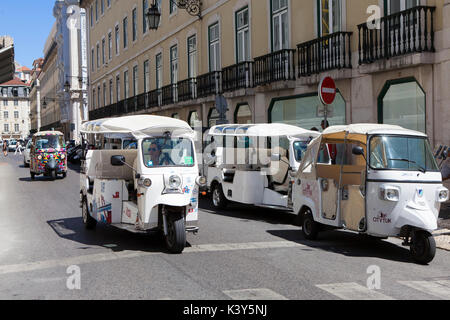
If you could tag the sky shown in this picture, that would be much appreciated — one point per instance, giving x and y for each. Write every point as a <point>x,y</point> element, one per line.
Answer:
<point>29,22</point>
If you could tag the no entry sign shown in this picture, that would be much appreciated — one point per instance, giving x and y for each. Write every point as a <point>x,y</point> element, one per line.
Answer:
<point>327,90</point>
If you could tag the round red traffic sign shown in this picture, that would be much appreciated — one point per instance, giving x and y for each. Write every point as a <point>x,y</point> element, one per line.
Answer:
<point>327,90</point>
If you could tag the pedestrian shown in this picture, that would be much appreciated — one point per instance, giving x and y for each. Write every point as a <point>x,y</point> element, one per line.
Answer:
<point>5,148</point>
<point>18,148</point>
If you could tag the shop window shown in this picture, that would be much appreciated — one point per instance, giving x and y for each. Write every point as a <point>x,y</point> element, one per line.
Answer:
<point>213,117</point>
<point>303,111</point>
<point>243,114</point>
<point>402,102</point>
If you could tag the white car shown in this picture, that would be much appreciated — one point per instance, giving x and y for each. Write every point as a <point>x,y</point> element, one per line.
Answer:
<point>26,154</point>
<point>12,145</point>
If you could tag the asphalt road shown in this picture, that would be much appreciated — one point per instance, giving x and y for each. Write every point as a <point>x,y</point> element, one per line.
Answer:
<point>239,253</point>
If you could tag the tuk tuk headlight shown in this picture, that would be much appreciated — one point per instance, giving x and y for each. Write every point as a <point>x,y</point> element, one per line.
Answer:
<point>174,182</point>
<point>389,194</point>
<point>443,195</point>
<point>201,181</point>
<point>145,182</point>
<point>39,157</point>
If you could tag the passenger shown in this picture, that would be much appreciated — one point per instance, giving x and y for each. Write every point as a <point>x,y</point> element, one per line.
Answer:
<point>155,156</point>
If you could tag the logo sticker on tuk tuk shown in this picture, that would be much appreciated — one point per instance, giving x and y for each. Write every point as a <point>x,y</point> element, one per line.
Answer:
<point>307,191</point>
<point>382,218</point>
<point>186,189</point>
<point>188,160</point>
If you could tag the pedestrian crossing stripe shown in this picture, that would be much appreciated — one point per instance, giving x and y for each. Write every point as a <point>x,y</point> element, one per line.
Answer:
<point>439,289</point>
<point>353,291</point>
<point>254,294</point>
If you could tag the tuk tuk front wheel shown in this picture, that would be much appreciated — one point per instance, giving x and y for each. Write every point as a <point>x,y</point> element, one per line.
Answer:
<point>88,221</point>
<point>423,247</point>
<point>176,233</point>
<point>310,228</point>
<point>218,197</point>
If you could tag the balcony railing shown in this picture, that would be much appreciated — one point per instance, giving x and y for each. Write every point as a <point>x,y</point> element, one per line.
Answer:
<point>187,89</point>
<point>326,53</point>
<point>276,66</point>
<point>208,84</point>
<point>237,76</point>
<point>405,32</point>
<point>169,94</point>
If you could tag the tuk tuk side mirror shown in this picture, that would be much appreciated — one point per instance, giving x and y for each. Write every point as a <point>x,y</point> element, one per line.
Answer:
<point>117,161</point>
<point>275,157</point>
<point>358,151</point>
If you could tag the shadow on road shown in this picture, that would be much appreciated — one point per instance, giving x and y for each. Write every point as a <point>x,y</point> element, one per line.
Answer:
<point>108,237</point>
<point>250,213</point>
<point>74,167</point>
<point>349,244</point>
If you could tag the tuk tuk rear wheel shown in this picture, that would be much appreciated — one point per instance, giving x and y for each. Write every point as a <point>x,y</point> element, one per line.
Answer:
<point>423,247</point>
<point>88,221</point>
<point>310,228</point>
<point>176,233</point>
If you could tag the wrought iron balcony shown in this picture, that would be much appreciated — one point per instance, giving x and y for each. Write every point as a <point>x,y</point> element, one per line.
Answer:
<point>169,94</point>
<point>187,89</point>
<point>323,54</point>
<point>237,76</point>
<point>272,67</point>
<point>208,84</point>
<point>402,33</point>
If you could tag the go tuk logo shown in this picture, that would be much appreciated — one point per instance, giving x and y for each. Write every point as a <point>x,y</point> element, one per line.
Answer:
<point>382,218</point>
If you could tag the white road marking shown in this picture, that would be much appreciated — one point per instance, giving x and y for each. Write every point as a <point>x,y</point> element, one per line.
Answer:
<point>254,294</point>
<point>439,289</point>
<point>353,291</point>
<point>110,256</point>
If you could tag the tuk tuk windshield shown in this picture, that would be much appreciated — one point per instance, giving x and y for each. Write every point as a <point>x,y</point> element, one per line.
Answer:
<point>405,153</point>
<point>168,152</point>
<point>299,149</point>
<point>49,142</point>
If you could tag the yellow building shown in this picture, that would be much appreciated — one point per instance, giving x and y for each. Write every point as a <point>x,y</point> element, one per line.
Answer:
<point>267,57</point>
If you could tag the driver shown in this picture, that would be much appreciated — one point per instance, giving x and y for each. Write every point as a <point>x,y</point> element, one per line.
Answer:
<point>155,156</point>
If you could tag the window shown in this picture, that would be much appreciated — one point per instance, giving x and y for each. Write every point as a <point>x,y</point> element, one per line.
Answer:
<point>98,56</point>
<point>395,6</point>
<point>403,103</point>
<point>144,16</point>
<point>110,46</point>
<point>16,114</point>
<point>134,18</point>
<point>102,6</point>
<point>125,32</point>
<point>174,64</point>
<point>280,25</point>
<point>166,152</point>
<point>110,91</point>
<point>193,118</point>
<point>96,10</point>
<point>302,111</point>
<point>330,16</point>
<point>98,97</point>
<point>158,71</point>
<point>117,34</point>
<point>242,35</point>
<point>103,51</point>
<point>16,102</point>
<point>16,127</point>
<point>5,103</point>
<point>92,59</point>
<point>243,114</point>
<point>6,127</point>
<point>146,76</point>
<point>108,3</point>
<point>135,80</point>
<point>126,85</point>
<point>104,95</point>
<point>117,88</point>
<point>5,115</point>
<point>214,50</point>
<point>172,7</point>
<point>91,10</point>
<point>192,56</point>
<point>93,98</point>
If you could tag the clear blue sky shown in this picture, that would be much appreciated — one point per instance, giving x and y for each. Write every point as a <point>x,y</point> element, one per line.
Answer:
<point>29,22</point>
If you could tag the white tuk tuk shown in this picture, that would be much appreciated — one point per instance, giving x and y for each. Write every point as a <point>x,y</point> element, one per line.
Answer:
<point>253,163</point>
<point>379,180</point>
<point>151,188</point>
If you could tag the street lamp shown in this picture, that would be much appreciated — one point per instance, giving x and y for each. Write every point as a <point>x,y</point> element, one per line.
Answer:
<point>154,15</point>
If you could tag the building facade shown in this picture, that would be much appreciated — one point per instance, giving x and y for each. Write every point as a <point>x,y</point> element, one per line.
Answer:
<point>60,88</point>
<point>267,57</point>
<point>15,109</point>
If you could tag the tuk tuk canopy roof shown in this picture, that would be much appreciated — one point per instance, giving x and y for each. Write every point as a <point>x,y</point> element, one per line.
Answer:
<point>137,126</point>
<point>359,132</point>
<point>48,133</point>
<point>261,130</point>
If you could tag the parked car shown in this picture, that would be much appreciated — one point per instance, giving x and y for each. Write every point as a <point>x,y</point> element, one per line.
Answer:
<point>26,154</point>
<point>12,145</point>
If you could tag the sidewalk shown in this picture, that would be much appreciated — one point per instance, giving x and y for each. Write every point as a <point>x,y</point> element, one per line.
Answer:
<point>442,235</point>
